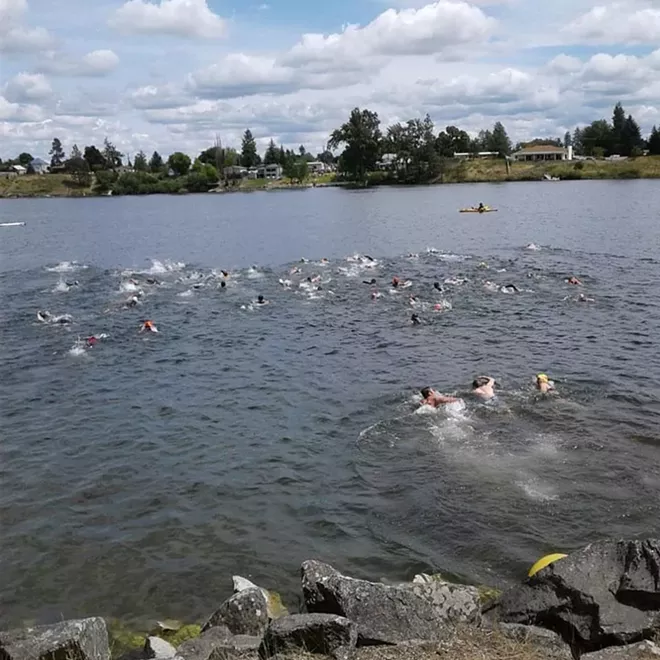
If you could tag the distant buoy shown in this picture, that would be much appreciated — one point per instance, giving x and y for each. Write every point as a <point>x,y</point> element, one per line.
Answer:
<point>543,562</point>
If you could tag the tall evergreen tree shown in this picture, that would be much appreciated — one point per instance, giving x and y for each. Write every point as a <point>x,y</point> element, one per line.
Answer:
<point>272,154</point>
<point>249,155</point>
<point>631,138</point>
<point>618,126</point>
<point>140,162</point>
<point>75,152</point>
<point>56,153</point>
<point>568,140</point>
<point>654,142</point>
<point>156,163</point>
<point>578,147</point>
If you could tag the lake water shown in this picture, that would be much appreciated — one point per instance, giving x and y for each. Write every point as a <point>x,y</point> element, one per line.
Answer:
<point>138,475</point>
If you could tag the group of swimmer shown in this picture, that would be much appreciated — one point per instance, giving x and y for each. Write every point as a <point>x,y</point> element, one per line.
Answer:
<point>483,387</point>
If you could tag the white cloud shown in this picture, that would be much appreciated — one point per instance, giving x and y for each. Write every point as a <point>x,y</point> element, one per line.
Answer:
<point>16,112</point>
<point>182,18</point>
<point>618,23</point>
<point>16,37</point>
<point>27,87</point>
<point>439,29</point>
<point>95,64</point>
<point>152,97</point>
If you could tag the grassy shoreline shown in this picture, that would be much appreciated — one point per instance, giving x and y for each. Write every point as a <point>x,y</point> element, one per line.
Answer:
<point>474,171</point>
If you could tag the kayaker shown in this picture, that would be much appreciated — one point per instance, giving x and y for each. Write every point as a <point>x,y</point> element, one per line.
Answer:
<point>481,208</point>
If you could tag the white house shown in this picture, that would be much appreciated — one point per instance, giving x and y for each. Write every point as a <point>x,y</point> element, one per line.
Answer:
<point>273,171</point>
<point>19,169</point>
<point>541,152</point>
<point>316,167</point>
<point>39,166</point>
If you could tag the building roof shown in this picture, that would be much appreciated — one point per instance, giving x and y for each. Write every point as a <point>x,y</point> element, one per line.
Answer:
<point>19,168</point>
<point>542,149</point>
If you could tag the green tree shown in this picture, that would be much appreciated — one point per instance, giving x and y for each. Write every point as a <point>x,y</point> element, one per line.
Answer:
<point>179,163</point>
<point>79,170</point>
<point>302,151</point>
<point>568,140</point>
<point>452,140</point>
<point>56,153</point>
<point>25,159</point>
<point>94,158</point>
<point>156,163</point>
<point>272,154</point>
<point>75,152</point>
<point>616,145</point>
<point>282,157</point>
<point>631,138</point>
<point>597,138</point>
<point>499,140</point>
<point>654,142</point>
<point>249,155</point>
<point>111,155</point>
<point>140,163</point>
<point>362,136</point>
<point>578,146</point>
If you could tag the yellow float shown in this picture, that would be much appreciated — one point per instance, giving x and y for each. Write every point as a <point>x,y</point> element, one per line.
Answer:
<point>545,561</point>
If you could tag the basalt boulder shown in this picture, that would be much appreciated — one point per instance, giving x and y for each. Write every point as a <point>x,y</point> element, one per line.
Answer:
<point>607,594</point>
<point>386,613</point>
<point>218,643</point>
<point>326,634</point>
<point>245,613</point>
<point>78,639</point>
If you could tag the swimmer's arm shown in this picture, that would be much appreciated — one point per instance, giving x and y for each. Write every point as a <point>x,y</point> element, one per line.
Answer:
<point>441,398</point>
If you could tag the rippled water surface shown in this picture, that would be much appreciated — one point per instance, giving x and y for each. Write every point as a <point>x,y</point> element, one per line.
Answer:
<point>138,475</point>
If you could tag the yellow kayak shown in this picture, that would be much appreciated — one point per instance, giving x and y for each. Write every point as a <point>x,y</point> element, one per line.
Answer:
<point>474,209</point>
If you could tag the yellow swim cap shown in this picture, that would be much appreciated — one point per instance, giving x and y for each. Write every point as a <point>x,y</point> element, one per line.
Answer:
<point>542,377</point>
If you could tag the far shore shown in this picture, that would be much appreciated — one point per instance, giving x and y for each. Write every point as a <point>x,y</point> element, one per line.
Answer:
<point>471,171</point>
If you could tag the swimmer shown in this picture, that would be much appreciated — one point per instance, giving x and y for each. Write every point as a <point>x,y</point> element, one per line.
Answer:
<point>152,280</point>
<point>44,317</point>
<point>437,287</point>
<point>482,387</point>
<point>325,261</point>
<point>74,283</point>
<point>583,298</point>
<point>368,258</point>
<point>225,273</point>
<point>223,284</point>
<point>544,385</point>
<point>148,326</point>
<point>375,295</point>
<point>395,282</point>
<point>573,280</point>
<point>483,264</point>
<point>414,300</point>
<point>371,282</point>
<point>509,288</point>
<point>295,271</point>
<point>415,320</point>
<point>262,301</point>
<point>285,283</point>
<point>91,341</point>
<point>132,302</point>
<point>433,399</point>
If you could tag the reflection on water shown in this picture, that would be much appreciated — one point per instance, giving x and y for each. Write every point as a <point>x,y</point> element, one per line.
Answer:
<point>140,471</point>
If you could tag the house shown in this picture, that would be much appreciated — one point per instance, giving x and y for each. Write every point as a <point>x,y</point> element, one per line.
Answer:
<point>316,167</point>
<point>19,169</point>
<point>387,162</point>
<point>273,171</point>
<point>38,166</point>
<point>124,169</point>
<point>542,152</point>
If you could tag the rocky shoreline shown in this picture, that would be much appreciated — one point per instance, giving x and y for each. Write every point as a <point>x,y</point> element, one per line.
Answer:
<point>600,603</point>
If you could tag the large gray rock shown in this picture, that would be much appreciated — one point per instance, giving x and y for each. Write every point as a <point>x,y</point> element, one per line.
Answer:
<point>641,651</point>
<point>327,634</point>
<point>79,639</point>
<point>607,594</point>
<point>245,613</point>
<point>155,647</point>
<point>389,614</point>
<point>219,644</point>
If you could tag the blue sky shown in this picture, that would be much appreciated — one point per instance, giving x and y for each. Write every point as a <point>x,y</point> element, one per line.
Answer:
<point>173,74</point>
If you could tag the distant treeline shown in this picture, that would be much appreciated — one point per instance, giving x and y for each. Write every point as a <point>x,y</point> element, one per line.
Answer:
<point>413,151</point>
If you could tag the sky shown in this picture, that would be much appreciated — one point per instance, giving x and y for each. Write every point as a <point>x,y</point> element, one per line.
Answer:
<point>174,75</point>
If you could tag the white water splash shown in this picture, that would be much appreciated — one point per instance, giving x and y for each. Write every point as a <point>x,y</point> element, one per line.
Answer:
<point>66,267</point>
